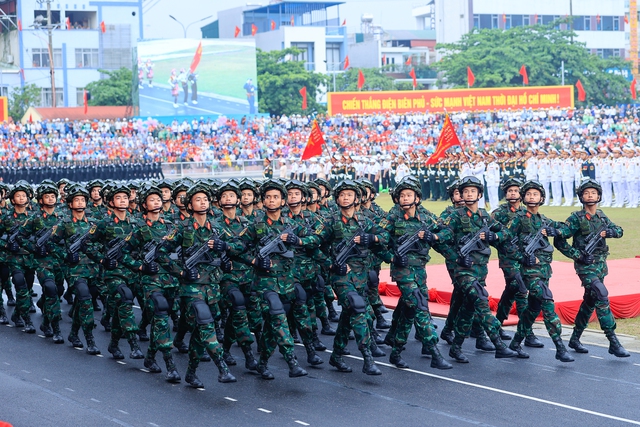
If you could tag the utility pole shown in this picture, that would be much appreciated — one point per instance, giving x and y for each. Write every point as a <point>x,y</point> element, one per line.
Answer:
<point>571,19</point>
<point>51,64</point>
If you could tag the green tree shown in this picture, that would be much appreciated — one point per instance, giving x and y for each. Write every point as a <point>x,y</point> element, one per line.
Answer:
<point>374,79</point>
<point>22,98</point>
<point>495,57</point>
<point>114,90</point>
<point>280,80</point>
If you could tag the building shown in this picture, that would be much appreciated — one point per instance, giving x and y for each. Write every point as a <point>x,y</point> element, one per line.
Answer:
<point>79,46</point>
<point>599,24</point>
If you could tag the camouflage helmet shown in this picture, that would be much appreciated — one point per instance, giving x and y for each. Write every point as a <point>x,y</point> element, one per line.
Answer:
<point>75,191</point>
<point>179,187</point>
<point>511,182</point>
<point>231,185</point>
<point>343,185</point>
<point>471,181</point>
<point>272,184</point>
<point>21,186</point>
<point>533,185</point>
<point>406,184</point>
<point>324,183</point>
<point>195,189</point>
<point>589,183</point>
<point>46,188</point>
<point>94,183</point>
<point>451,189</point>
<point>312,185</point>
<point>116,189</point>
<point>145,192</point>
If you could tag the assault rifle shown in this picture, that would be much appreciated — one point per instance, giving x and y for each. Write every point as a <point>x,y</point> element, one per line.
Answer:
<point>537,242</point>
<point>349,248</point>
<point>77,241</point>
<point>411,243</point>
<point>202,255</point>
<point>43,236</point>
<point>473,243</point>
<point>13,233</point>
<point>594,239</point>
<point>115,247</point>
<point>275,245</point>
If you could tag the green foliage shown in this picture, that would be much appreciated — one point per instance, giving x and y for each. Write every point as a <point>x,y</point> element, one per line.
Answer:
<point>114,90</point>
<point>375,79</point>
<point>21,98</point>
<point>495,57</point>
<point>280,80</point>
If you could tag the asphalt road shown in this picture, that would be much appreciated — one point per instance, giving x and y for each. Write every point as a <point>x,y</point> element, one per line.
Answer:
<point>158,101</point>
<point>44,384</point>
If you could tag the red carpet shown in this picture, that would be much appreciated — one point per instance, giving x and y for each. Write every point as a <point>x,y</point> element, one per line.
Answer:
<point>623,283</point>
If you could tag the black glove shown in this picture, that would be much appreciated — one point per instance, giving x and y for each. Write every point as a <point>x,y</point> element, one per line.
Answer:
<point>150,268</point>
<point>109,264</point>
<point>220,245</point>
<point>13,247</point>
<point>41,251</point>
<point>400,260</point>
<point>293,239</point>
<point>226,266</point>
<point>339,269</point>
<point>529,260</point>
<point>190,274</point>
<point>610,233</point>
<point>367,239</point>
<point>264,263</point>
<point>429,237</point>
<point>73,257</point>
<point>465,261</point>
<point>490,237</point>
<point>552,232</point>
<point>586,259</point>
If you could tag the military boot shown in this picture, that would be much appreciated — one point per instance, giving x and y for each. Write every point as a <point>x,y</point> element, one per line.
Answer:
<point>172,373</point>
<point>192,379</point>
<point>181,346</point>
<point>294,368</point>
<point>263,370</point>
<point>32,308</point>
<point>333,314</point>
<point>219,332</point>
<point>17,320</point>
<point>294,335</point>
<point>561,351</point>
<point>376,337</point>
<point>483,343</point>
<point>397,360</point>
<point>515,346</point>
<point>57,333</point>
<point>46,329</point>
<point>142,334</point>
<point>317,344</point>
<point>224,375</point>
<point>375,350</point>
<point>228,357</point>
<point>502,351</point>
<point>115,350</point>
<point>68,296</point>
<point>381,322</point>
<point>369,366</point>
<point>437,361</point>
<point>503,334</point>
<point>447,335</point>
<point>28,325</point>
<point>205,357</point>
<point>106,323</point>
<point>326,327</point>
<point>91,345</point>
<point>74,339</point>
<point>3,316</point>
<point>250,361</point>
<point>312,358</point>
<point>574,343</point>
<point>533,341</point>
<point>258,336</point>
<point>136,353</point>
<point>338,362</point>
<point>456,350</point>
<point>11,301</point>
<point>151,365</point>
<point>615,347</point>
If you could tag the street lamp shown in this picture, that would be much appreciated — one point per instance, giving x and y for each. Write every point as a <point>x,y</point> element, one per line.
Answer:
<point>185,29</point>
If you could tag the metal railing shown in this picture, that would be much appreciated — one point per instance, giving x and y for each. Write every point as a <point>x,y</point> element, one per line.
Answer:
<point>222,169</point>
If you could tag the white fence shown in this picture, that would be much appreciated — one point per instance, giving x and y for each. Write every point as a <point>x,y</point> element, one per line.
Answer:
<point>217,169</point>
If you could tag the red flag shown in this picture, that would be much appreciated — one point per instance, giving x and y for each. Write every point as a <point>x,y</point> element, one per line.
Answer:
<point>19,25</point>
<point>634,83</point>
<point>314,144</point>
<point>196,58</point>
<point>30,118</point>
<point>448,139</point>
<point>471,79</point>
<point>384,60</point>
<point>236,33</point>
<point>535,19</point>
<point>293,21</point>
<point>254,29</point>
<point>103,27</point>
<point>84,99</point>
<point>408,61</point>
<point>346,62</point>
<point>344,23</point>
<point>598,19</point>
<point>523,73</point>
<point>626,19</point>
<point>412,73</point>
<point>361,80</point>
<point>68,23</point>
<point>22,73</point>
<point>582,95</point>
<point>504,18</point>
<point>303,92</point>
<point>273,25</point>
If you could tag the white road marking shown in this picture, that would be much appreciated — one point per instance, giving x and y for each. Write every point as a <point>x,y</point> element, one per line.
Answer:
<point>121,362</point>
<point>124,412</point>
<point>231,399</point>
<point>26,372</point>
<point>200,389</point>
<point>41,336</point>
<point>78,348</point>
<point>636,364</point>
<point>154,424</point>
<point>302,423</point>
<point>144,370</point>
<point>8,364</point>
<point>593,379</point>
<point>46,379</point>
<point>597,357</point>
<point>95,400</point>
<point>99,355</point>
<point>264,410</point>
<point>70,389</point>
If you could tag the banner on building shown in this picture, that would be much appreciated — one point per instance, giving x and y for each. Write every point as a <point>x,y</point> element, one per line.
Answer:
<point>454,100</point>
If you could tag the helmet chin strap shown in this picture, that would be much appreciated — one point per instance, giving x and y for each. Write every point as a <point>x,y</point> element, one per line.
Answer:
<point>229,205</point>
<point>513,200</point>
<point>294,204</point>
<point>273,209</point>
<point>349,206</point>
<point>156,210</point>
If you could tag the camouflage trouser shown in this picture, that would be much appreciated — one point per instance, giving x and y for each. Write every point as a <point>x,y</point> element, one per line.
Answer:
<point>373,291</point>
<point>474,302</point>
<point>160,339</point>
<point>539,299</point>
<point>82,311</point>
<point>5,278</point>
<point>51,303</point>
<point>22,292</point>
<point>592,301</point>
<point>301,313</point>
<point>455,303</point>
<point>237,325</point>
<point>411,313</point>
<point>510,294</point>
<point>123,322</point>
<point>350,320</point>
<point>252,301</point>
<point>203,337</point>
<point>276,332</point>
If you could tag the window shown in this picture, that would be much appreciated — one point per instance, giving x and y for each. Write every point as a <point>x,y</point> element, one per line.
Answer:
<point>616,23</point>
<point>485,21</point>
<point>547,19</point>
<point>598,23</point>
<point>40,18</point>
<point>333,56</point>
<point>600,53</point>
<point>507,21</point>
<point>578,23</point>
<point>587,23</point>
<point>526,20</point>
<point>476,21</point>
<point>4,91</point>
<point>607,53</point>
<point>494,21</point>
<point>82,20</point>
<point>516,20</point>
<point>607,23</point>
<point>79,96</point>
<point>306,52</point>
<point>45,97</point>
<point>87,58</point>
<point>41,57</point>
<point>616,53</point>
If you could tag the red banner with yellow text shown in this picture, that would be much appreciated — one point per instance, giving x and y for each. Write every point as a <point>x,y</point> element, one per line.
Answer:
<point>453,100</point>
<point>4,109</point>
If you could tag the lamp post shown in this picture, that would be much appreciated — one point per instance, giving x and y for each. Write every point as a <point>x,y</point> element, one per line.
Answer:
<point>185,29</point>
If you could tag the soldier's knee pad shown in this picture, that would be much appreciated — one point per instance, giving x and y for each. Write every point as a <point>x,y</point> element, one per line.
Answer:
<point>18,279</point>
<point>482,292</point>
<point>534,304</point>
<point>126,296</point>
<point>600,290</point>
<point>275,304</point>
<point>374,280</point>
<point>160,304</point>
<point>82,290</point>
<point>320,284</point>
<point>202,312</point>
<point>237,299</point>
<point>301,294</point>
<point>546,292</point>
<point>356,303</point>
<point>421,301</point>
<point>49,288</point>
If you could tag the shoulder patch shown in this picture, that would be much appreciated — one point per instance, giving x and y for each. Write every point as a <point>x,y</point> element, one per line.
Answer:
<point>171,235</point>
<point>242,233</point>
<point>93,229</point>
<point>319,229</point>
<point>383,223</point>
